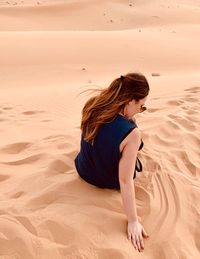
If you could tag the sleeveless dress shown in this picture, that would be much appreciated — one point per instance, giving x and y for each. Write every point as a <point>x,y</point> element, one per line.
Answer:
<point>99,164</point>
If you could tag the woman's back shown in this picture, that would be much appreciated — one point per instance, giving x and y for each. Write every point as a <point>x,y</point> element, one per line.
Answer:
<point>98,164</point>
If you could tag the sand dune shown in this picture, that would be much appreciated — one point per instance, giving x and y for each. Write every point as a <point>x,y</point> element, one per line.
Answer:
<point>96,15</point>
<point>49,53</point>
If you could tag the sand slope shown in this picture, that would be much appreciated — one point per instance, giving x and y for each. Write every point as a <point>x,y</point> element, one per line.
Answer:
<point>96,15</point>
<point>46,210</point>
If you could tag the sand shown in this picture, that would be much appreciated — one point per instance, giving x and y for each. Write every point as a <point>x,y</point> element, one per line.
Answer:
<point>50,51</point>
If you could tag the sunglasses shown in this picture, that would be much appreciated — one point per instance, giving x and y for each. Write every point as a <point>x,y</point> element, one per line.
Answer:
<point>143,108</point>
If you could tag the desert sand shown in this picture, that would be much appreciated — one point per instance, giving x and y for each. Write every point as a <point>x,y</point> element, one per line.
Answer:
<point>50,51</point>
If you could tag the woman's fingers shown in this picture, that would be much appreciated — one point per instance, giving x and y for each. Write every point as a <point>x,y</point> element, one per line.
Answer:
<point>132,239</point>
<point>144,233</point>
<point>134,243</point>
<point>141,242</point>
<point>137,242</point>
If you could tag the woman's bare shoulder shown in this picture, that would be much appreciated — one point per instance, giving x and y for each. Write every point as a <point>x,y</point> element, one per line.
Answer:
<point>135,132</point>
<point>133,137</point>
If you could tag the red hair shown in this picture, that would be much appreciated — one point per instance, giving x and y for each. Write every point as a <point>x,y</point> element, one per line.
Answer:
<point>105,106</point>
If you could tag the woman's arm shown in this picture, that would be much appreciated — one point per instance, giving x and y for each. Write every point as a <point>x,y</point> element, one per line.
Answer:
<point>126,170</point>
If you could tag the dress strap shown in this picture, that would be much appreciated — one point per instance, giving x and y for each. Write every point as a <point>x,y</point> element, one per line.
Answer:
<point>138,167</point>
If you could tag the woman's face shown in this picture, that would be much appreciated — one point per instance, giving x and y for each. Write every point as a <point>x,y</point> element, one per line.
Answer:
<point>134,107</point>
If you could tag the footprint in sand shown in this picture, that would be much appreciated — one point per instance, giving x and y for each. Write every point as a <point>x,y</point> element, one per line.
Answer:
<point>25,222</point>
<point>155,74</point>
<point>7,108</point>
<point>175,102</point>
<point>15,148</point>
<point>32,112</point>
<point>58,166</point>
<point>193,116</point>
<point>188,98</point>
<point>3,177</point>
<point>27,160</point>
<point>192,112</point>
<point>65,162</point>
<point>193,90</point>
<point>46,120</point>
<point>17,195</point>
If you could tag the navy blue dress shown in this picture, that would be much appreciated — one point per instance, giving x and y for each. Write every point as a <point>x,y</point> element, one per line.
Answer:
<point>99,164</point>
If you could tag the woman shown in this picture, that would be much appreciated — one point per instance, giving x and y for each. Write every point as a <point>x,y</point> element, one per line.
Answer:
<point>110,141</point>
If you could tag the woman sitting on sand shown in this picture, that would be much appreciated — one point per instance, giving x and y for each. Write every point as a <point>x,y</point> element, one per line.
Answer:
<point>110,141</point>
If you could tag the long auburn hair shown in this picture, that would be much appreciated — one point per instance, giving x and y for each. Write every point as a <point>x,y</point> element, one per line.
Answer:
<point>105,106</point>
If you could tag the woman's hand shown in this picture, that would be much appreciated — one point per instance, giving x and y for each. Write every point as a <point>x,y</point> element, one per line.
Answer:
<point>136,233</point>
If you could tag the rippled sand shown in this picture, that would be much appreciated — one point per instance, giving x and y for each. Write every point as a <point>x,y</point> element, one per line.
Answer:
<point>50,52</point>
